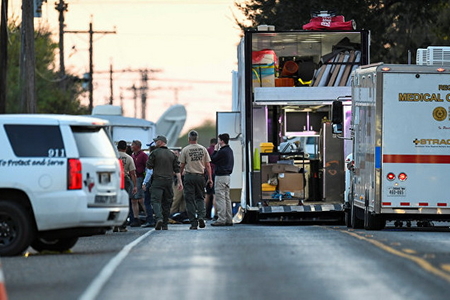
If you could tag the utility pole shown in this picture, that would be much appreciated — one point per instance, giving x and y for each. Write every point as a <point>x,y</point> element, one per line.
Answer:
<point>3,54</point>
<point>111,95</point>
<point>61,7</point>
<point>134,89</point>
<point>91,63</point>
<point>27,61</point>
<point>144,88</point>
<point>176,91</point>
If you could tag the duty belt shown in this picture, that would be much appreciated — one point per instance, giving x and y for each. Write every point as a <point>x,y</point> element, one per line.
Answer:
<point>198,174</point>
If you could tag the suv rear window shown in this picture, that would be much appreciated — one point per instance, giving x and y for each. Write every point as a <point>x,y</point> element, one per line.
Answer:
<point>36,140</point>
<point>93,142</point>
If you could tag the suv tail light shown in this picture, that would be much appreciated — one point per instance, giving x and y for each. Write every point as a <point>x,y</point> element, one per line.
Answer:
<point>74,180</point>
<point>122,175</point>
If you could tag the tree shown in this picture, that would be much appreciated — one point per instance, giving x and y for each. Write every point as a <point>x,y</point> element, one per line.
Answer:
<point>3,54</point>
<point>50,98</point>
<point>397,27</point>
<point>206,131</point>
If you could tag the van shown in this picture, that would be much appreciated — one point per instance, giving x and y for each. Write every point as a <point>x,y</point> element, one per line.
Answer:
<point>60,179</point>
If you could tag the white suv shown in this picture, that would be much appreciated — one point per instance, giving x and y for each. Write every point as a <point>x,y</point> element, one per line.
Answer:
<point>60,178</point>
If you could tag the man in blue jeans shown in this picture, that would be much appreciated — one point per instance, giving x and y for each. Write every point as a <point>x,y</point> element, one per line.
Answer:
<point>149,220</point>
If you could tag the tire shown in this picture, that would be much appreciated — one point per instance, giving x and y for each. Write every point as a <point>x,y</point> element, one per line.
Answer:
<point>373,222</point>
<point>16,228</point>
<point>348,212</point>
<point>356,222</point>
<point>251,217</point>
<point>59,245</point>
<point>348,218</point>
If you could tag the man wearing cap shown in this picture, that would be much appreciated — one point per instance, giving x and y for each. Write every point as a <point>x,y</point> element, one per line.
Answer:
<point>164,164</point>
<point>194,159</point>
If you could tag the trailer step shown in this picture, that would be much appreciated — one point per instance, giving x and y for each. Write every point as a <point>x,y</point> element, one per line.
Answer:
<point>301,208</point>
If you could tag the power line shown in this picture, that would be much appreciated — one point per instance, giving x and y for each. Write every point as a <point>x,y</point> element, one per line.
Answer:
<point>181,80</point>
<point>193,81</point>
<point>91,53</point>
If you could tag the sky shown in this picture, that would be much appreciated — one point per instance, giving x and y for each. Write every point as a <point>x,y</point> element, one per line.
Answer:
<point>190,44</point>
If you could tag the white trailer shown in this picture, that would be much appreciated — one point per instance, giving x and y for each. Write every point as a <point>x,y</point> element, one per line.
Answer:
<point>290,108</point>
<point>401,145</point>
<point>169,124</point>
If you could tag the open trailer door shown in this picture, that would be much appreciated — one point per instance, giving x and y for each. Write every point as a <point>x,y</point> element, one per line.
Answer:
<point>230,122</point>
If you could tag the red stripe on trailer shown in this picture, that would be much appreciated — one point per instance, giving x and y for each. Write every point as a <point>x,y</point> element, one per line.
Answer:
<point>416,159</point>
<point>404,204</point>
<point>442,204</point>
<point>423,204</point>
<point>386,203</point>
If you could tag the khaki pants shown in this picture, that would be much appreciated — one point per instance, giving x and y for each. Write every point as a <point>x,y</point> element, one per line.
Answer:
<point>178,204</point>
<point>223,201</point>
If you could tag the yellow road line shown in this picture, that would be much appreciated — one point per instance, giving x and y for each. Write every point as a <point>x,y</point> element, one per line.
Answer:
<point>410,251</point>
<point>446,267</point>
<point>421,262</point>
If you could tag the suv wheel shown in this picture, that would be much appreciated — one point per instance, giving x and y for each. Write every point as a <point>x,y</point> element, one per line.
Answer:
<point>16,229</point>
<point>59,245</point>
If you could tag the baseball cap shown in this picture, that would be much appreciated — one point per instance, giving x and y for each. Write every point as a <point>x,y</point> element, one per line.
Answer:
<point>160,138</point>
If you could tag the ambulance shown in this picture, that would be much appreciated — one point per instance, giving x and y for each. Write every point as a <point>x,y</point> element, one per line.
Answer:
<point>400,132</point>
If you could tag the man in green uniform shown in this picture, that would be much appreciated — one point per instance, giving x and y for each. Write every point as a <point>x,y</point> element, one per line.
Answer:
<point>164,164</point>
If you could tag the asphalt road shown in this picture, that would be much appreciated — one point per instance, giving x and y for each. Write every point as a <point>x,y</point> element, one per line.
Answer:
<point>240,262</point>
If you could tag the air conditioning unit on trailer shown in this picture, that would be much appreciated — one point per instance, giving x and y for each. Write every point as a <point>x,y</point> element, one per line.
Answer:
<point>421,56</point>
<point>438,56</point>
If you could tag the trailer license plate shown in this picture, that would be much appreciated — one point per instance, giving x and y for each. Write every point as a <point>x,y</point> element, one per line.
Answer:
<point>397,191</point>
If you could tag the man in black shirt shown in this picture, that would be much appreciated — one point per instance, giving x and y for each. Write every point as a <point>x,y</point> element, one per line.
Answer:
<point>223,161</point>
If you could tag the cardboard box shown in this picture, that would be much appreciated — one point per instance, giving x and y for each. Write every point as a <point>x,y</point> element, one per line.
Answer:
<point>290,182</point>
<point>284,168</point>
<point>266,173</point>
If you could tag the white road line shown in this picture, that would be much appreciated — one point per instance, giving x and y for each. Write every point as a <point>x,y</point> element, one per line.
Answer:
<point>95,287</point>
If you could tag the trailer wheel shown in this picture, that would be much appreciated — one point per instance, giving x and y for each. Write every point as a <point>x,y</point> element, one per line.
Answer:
<point>348,218</point>
<point>251,217</point>
<point>373,222</point>
<point>356,222</point>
